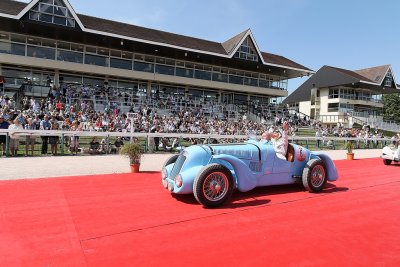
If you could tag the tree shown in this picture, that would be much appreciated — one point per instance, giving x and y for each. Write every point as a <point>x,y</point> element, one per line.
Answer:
<point>391,107</point>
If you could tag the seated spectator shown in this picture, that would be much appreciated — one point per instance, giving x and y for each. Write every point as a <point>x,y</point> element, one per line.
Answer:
<point>118,144</point>
<point>94,146</point>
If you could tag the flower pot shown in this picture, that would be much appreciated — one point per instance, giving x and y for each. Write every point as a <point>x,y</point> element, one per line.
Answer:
<point>135,168</point>
<point>350,156</point>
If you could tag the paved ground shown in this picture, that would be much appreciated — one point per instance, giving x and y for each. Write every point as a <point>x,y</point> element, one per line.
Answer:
<point>40,167</point>
<point>131,220</point>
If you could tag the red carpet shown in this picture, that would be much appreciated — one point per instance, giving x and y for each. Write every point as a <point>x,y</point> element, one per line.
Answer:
<point>130,220</point>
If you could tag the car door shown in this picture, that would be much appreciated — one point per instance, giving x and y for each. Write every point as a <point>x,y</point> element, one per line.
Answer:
<point>281,165</point>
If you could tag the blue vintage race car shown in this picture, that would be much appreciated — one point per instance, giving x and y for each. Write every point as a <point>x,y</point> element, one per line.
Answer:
<point>212,172</point>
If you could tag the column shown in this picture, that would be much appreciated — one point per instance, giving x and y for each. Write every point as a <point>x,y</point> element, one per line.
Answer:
<point>56,81</point>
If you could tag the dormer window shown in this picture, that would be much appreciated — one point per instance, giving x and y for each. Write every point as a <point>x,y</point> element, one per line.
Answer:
<point>388,79</point>
<point>52,11</point>
<point>247,51</point>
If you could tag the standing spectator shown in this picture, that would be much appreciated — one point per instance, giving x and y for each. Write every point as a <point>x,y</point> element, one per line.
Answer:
<point>74,144</point>
<point>30,139</point>
<point>318,136</point>
<point>3,138</point>
<point>14,137</point>
<point>45,125</point>
<point>53,140</point>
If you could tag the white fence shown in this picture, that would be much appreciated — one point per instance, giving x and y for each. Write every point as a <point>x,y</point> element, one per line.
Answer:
<point>147,136</point>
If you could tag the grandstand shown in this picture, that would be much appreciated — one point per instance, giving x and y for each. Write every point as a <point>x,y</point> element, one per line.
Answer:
<point>45,44</point>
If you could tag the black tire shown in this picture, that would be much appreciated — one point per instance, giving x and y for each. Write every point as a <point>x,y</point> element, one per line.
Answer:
<point>213,185</point>
<point>314,175</point>
<point>387,161</point>
<point>170,160</point>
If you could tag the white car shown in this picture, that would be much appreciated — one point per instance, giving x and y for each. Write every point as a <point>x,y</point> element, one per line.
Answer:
<point>389,154</point>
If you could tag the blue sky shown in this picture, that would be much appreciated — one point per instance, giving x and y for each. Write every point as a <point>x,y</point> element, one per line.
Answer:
<point>351,34</point>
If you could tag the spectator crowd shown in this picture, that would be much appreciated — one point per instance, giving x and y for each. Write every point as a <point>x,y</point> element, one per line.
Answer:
<point>72,108</point>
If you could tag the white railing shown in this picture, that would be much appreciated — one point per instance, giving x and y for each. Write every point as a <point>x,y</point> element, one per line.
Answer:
<point>174,135</point>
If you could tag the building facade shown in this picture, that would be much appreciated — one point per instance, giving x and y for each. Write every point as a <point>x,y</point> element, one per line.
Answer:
<point>335,95</point>
<point>46,43</point>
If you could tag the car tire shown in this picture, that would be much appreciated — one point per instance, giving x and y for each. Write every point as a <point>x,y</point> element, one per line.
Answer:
<point>387,161</point>
<point>314,175</point>
<point>171,160</point>
<point>213,185</point>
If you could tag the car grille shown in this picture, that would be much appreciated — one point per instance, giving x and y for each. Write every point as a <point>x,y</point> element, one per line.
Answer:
<point>177,166</point>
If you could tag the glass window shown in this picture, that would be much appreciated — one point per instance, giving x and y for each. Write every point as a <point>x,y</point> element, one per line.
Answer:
<point>18,49</point>
<point>41,52</point>
<point>184,72</point>
<point>162,69</point>
<point>76,47</point>
<point>5,48</point>
<point>49,43</point>
<point>180,63</point>
<point>4,36</point>
<point>93,81</point>
<point>127,55</point>
<point>95,60</point>
<point>34,41</point>
<point>120,64</point>
<point>251,81</point>
<point>18,38</point>
<point>70,56</point>
<point>220,77</point>
<point>235,79</point>
<point>247,51</point>
<point>103,51</point>
<point>63,45</point>
<point>91,49</point>
<point>333,107</point>
<point>203,75</point>
<point>54,12</point>
<point>142,66</point>
<point>264,83</point>
<point>66,78</point>
<point>61,11</point>
<point>16,76</point>
<point>46,18</point>
<point>139,57</point>
<point>115,53</point>
<point>60,20</point>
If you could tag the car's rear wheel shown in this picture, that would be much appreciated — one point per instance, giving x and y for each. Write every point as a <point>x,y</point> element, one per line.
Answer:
<point>387,161</point>
<point>314,175</point>
<point>213,185</point>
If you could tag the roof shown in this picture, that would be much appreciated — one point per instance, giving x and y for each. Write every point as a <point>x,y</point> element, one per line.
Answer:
<point>138,32</point>
<point>375,74</point>
<point>11,7</point>
<point>142,34</point>
<point>232,43</point>
<point>329,76</point>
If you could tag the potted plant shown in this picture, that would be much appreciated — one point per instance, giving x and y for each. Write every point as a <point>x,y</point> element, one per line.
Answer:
<point>350,147</point>
<point>134,152</point>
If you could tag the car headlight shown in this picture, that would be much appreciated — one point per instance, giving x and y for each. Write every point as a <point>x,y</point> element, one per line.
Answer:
<point>178,180</point>
<point>164,173</point>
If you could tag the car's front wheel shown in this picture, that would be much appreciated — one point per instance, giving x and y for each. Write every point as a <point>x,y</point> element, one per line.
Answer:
<point>314,175</point>
<point>387,161</point>
<point>213,185</point>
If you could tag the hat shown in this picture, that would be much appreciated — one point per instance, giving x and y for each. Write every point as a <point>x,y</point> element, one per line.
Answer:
<point>1,116</point>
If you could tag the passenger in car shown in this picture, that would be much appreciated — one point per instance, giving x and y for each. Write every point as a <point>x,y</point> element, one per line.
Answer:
<point>278,140</point>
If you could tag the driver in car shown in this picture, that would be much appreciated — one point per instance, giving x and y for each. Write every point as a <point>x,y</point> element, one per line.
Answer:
<point>278,140</point>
